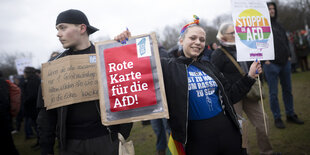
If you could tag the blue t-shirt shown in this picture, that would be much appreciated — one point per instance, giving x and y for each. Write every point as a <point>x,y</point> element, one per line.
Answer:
<point>203,99</point>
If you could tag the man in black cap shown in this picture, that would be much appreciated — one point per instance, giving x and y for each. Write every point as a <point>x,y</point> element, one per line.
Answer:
<point>78,126</point>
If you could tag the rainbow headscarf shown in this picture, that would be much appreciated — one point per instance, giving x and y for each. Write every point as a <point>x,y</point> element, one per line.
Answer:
<point>196,21</point>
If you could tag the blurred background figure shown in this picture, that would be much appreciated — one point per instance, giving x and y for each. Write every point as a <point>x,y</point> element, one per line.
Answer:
<point>207,52</point>
<point>161,129</point>
<point>6,140</point>
<point>29,95</point>
<point>294,61</point>
<point>213,46</point>
<point>38,72</point>
<point>302,48</point>
<point>53,55</point>
<point>19,81</point>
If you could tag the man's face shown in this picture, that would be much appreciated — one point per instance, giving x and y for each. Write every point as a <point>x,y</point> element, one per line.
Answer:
<point>272,11</point>
<point>69,34</point>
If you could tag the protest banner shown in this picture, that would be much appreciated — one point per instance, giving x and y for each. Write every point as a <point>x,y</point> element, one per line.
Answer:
<point>21,64</point>
<point>68,80</point>
<point>253,33</point>
<point>131,86</point>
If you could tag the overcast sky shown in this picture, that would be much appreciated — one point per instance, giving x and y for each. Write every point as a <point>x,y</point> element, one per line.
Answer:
<point>29,25</point>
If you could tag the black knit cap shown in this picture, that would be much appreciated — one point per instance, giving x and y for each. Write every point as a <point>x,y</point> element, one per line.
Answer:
<point>75,17</point>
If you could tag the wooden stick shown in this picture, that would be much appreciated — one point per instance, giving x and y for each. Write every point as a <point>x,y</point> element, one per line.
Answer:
<point>262,101</point>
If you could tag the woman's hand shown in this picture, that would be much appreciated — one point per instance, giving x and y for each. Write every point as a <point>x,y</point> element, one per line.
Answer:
<point>123,37</point>
<point>255,69</point>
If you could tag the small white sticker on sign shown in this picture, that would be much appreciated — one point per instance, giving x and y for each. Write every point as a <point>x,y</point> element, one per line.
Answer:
<point>92,59</point>
<point>143,47</point>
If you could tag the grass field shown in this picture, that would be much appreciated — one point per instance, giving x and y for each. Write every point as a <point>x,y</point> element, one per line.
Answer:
<point>293,140</point>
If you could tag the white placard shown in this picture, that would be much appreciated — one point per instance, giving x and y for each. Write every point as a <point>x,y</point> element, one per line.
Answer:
<point>254,38</point>
<point>21,64</point>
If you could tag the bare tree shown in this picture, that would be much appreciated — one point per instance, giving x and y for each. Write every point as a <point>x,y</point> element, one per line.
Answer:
<point>221,19</point>
<point>7,61</point>
<point>289,10</point>
<point>169,37</point>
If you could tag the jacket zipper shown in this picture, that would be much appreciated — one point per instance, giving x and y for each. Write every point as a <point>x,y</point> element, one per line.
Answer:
<point>221,101</point>
<point>186,107</point>
<point>187,96</point>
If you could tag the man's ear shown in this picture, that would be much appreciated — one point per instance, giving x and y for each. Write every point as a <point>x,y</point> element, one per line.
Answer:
<point>83,28</point>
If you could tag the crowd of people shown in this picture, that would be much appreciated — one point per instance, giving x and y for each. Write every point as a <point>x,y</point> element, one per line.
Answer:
<point>204,124</point>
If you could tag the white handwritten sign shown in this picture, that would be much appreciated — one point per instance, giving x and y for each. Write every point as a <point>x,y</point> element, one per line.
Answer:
<point>21,64</point>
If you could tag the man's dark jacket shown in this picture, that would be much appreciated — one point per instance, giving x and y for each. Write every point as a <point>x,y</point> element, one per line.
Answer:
<point>281,44</point>
<point>52,123</point>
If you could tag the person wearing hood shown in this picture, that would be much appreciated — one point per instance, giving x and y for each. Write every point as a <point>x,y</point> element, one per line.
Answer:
<point>78,126</point>
<point>280,68</point>
<point>200,98</point>
<point>252,108</point>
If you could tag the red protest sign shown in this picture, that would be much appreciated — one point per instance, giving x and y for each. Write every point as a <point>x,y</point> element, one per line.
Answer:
<point>131,86</point>
<point>129,78</point>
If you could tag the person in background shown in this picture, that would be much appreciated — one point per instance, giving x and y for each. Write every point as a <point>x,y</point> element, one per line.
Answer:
<point>213,46</point>
<point>294,61</point>
<point>38,72</point>
<point>29,95</point>
<point>53,55</point>
<point>6,140</point>
<point>208,51</point>
<point>78,126</point>
<point>161,129</point>
<point>199,97</point>
<point>252,108</point>
<point>280,68</point>
<point>19,81</point>
<point>302,49</point>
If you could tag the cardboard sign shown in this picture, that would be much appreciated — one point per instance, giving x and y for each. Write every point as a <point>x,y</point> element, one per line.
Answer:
<point>253,33</point>
<point>130,81</point>
<point>68,80</point>
<point>21,64</point>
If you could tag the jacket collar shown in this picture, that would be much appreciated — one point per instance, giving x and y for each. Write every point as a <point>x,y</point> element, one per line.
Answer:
<point>180,57</point>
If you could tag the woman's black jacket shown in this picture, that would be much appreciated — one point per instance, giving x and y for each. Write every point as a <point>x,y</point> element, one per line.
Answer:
<point>176,87</point>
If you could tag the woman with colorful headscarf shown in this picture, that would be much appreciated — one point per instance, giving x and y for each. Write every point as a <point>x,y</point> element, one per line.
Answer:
<point>199,97</point>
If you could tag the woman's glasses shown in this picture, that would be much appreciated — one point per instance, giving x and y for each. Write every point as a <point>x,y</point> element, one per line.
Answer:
<point>231,33</point>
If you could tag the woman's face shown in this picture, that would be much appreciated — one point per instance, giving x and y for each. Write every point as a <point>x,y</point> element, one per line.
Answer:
<point>193,42</point>
<point>230,34</point>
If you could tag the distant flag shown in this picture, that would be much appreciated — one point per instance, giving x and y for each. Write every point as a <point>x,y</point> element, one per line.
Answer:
<point>175,147</point>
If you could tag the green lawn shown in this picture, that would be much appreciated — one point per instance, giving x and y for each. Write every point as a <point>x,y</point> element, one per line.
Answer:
<point>294,140</point>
